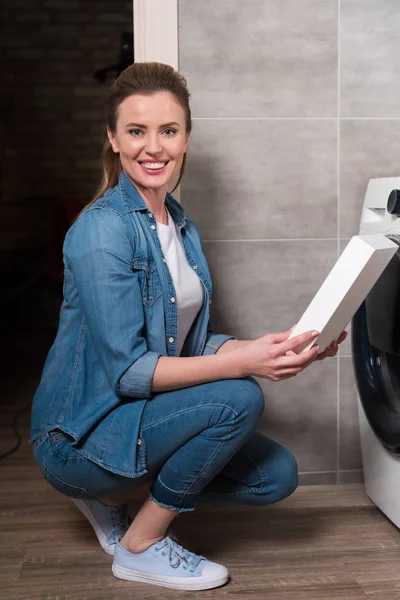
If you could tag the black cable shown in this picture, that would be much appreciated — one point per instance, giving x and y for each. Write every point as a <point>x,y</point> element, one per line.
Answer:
<point>18,435</point>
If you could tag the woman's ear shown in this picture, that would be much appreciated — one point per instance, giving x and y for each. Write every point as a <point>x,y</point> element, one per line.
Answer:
<point>112,140</point>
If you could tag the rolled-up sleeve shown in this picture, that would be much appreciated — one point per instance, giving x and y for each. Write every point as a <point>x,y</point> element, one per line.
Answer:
<point>215,340</point>
<point>99,254</point>
<point>137,380</point>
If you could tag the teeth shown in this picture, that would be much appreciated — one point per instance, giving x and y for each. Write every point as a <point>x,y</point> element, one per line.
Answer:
<point>153,165</point>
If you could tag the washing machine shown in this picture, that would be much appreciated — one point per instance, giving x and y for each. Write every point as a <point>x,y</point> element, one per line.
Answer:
<point>376,356</point>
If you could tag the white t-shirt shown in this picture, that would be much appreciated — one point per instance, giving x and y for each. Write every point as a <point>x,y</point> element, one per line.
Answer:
<point>188,287</point>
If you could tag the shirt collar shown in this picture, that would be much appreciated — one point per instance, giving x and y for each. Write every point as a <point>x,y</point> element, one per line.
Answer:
<point>129,193</point>
<point>135,201</point>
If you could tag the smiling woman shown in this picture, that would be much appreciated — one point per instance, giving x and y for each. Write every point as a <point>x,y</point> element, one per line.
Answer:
<point>151,139</point>
<point>137,387</point>
<point>135,131</point>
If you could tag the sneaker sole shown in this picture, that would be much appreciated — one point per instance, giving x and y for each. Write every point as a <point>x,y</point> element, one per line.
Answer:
<point>176,583</point>
<point>80,505</point>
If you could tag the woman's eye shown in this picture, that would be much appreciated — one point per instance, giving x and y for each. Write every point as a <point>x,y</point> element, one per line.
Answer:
<point>170,131</point>
<point>135,132</point>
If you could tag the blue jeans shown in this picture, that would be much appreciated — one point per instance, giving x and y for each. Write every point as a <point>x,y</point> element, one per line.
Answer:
<point>197,443</point>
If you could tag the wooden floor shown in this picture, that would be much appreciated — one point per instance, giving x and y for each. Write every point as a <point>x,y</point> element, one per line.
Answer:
<point>325,542</point>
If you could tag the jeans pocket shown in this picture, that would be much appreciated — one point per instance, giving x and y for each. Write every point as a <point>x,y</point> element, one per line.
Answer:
<point>61,445</point>
<point>38,442</point>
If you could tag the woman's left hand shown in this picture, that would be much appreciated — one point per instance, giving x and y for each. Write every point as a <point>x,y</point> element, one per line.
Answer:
<point>330,351</point>
<point>333,348</point>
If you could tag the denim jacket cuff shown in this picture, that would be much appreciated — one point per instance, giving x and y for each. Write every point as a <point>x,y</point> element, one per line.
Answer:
<point>215,341</point>
<point>137,380</point>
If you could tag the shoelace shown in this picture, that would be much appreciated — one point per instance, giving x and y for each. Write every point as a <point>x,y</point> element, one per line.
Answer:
<point>178,555</point>
<point>120,520</point>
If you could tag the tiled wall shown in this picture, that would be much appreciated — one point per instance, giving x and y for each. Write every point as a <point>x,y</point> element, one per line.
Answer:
<point>296,105</point>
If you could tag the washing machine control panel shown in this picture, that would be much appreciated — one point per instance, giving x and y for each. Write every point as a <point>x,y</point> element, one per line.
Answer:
<point>393,203</point>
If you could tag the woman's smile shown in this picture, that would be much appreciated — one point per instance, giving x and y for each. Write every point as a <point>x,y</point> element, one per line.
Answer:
<point>153,167</point>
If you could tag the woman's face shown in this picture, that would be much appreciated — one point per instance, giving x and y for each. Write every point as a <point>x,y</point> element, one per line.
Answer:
<point>151,138</point>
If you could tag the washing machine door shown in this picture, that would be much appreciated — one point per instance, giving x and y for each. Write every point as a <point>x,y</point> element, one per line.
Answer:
<point>376,354</point>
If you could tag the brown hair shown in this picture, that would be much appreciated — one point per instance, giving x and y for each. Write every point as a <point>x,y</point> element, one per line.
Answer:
<point>140,78</point>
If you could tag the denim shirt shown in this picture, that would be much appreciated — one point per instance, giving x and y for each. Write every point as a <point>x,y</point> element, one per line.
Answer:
<point>116,320</point>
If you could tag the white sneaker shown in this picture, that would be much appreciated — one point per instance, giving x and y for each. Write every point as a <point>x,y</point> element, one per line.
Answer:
<point>109,523</point>
<point>169,565</point>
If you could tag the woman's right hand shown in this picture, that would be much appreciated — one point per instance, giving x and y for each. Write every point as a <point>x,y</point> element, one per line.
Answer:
<point>273,356</point>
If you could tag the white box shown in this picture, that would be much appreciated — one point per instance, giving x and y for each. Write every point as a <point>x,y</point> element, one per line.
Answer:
<point>346,287</point>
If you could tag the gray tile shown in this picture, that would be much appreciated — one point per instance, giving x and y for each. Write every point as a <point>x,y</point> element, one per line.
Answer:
<point>370,58</point>
<point>343,243</point>
<point>349,435</point>
<point>262,287</point>
<point>356,476</point>
<point>368,149</point>
<point>324,478</point>
<point>260,58</point>
<point>301,413</point>
<point>262,179</point>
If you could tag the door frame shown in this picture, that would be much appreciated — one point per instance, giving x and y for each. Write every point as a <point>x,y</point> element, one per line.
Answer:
<point>155,26</point>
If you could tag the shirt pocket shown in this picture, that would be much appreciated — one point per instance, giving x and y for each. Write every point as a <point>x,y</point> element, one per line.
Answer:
<point>149,279</point>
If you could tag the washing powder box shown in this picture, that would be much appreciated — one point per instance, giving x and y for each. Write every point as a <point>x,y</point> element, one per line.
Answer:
<point>346,287</point>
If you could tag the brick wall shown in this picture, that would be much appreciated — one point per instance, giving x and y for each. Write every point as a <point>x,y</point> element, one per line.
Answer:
<point>51,128</point>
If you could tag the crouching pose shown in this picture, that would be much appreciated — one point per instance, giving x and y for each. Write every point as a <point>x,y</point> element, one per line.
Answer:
<point>137,387</point>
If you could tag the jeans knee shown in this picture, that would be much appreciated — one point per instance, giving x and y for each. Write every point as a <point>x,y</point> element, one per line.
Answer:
<point>285,477</point>
<point>248,400</point>
<point>237,401</point>
<point>280,484</point>
<point>289,474</point>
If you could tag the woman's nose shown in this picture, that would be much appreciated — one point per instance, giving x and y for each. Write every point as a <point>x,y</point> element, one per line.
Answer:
<point>153,145</point>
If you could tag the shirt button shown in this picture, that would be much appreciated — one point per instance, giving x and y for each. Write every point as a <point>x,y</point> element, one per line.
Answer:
<point>164,260</point>
<point>139,442</point>
<point>172,299</point>
<point>150,215</point>
<point>152,227</point>
<point>171,340</point>
<point>195,267</point>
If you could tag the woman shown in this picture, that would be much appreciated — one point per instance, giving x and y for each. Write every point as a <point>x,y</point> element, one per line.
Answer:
<point>136,386</point>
